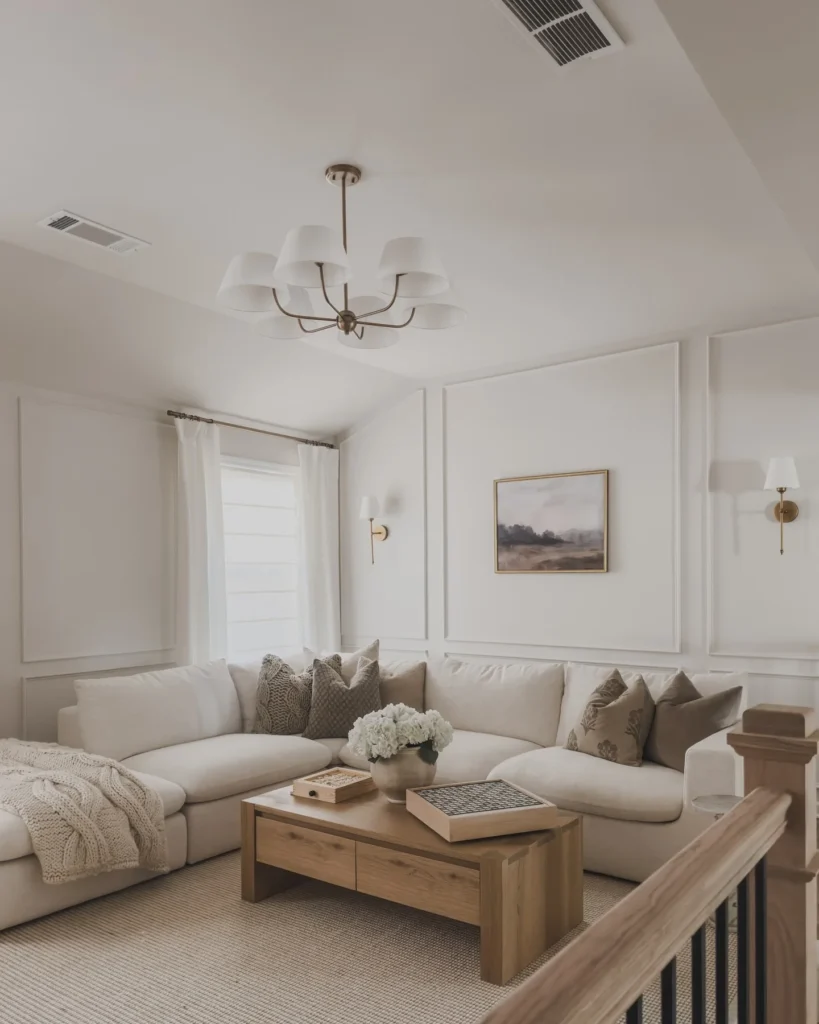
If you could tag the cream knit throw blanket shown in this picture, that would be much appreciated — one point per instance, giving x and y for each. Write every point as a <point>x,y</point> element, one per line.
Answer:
<point>86,814</point>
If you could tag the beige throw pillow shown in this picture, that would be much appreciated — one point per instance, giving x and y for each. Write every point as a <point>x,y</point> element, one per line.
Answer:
<point>683,717</point>
<point>349,662</point>
<point>615,722</point>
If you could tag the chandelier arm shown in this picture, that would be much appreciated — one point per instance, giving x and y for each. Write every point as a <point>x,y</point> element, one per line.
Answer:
<point>390,304</point>
<point>297,316</point>
<point>359,335</point>
<point>324,288</point>
<point>374,323</point>
<point>315,330</point>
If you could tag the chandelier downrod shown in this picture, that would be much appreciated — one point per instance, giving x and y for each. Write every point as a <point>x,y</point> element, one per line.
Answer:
<point>345,319</point>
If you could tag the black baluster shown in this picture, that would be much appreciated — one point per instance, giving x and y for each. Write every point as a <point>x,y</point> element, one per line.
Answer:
<point>634,1014</point>
<point>743,955</point>
<point>698,977</point>
<point>760,941</point>
<point>668,993</point>
<point>722,962</point>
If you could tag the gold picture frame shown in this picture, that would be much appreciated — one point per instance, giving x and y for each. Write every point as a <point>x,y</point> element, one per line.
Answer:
<point>521,552</point>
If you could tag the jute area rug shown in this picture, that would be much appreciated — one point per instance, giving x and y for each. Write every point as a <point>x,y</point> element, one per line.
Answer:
<point>184,949</point>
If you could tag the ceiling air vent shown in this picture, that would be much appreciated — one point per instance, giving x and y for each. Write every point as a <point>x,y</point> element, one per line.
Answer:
<point>568,30</point>
<point>89,231</point>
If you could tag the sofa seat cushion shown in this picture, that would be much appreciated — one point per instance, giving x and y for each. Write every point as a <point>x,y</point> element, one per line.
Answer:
<point>15,841</point>
<point>470,755</point>
<point>592,785</point>
<point>222,766</point>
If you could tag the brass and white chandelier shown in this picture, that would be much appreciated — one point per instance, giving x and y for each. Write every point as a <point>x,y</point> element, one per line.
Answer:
<point>314,258</point>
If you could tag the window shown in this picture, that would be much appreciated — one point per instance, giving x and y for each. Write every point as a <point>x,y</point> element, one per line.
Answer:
<point>261,554</point>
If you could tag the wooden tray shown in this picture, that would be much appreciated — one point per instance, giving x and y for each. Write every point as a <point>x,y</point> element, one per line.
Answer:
<point>478,810</point>
<point>332,785</point>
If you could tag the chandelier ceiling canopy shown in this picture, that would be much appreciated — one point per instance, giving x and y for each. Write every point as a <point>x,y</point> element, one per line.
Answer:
<point>314,258</point>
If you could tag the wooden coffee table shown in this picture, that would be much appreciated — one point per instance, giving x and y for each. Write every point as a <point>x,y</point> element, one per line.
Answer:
<point>524,891</point>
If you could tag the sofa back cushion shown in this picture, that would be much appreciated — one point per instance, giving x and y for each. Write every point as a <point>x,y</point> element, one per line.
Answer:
<point>124,715</point>
<point>517,699</point>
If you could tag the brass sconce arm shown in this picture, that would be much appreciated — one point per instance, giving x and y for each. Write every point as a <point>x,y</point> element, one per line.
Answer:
<point>785,512</point>
<point>376,533</point>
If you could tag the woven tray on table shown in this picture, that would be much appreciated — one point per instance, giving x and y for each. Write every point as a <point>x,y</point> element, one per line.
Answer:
<point>477,810</point>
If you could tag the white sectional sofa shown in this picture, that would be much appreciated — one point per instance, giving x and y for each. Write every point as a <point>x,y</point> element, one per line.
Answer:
<point>187,731</point>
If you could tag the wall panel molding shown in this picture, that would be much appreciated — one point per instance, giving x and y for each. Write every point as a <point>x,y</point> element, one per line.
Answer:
<point>96,511</point>
<point>784,333</point>
<point>673,629</point>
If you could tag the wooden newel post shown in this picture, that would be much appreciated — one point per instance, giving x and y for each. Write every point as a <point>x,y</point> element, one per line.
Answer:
<point>779,746</point>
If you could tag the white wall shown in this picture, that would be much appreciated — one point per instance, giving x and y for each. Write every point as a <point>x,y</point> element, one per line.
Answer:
<point>87,544</point>
<point>695,576</point>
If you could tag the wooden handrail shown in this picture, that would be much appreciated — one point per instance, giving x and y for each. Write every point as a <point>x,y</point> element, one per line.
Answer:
<point>602,972</point>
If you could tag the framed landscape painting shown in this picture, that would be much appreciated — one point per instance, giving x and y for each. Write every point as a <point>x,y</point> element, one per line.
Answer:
<point>552,523</point>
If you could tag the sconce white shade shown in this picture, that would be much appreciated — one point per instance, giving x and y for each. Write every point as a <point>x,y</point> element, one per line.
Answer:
<point>370,509</point>
<point>414,258</point>
<point>281,327</point>
<point>306,246</point>
<point>248,283</point>
<point>374,337</point>
<point>438,313</point>
<point>781,473</point>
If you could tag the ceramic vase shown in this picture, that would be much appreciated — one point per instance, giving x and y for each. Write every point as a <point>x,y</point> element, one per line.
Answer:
<point>405,770</point>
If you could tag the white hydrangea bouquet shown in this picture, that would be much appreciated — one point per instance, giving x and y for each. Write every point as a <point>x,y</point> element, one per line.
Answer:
<point>382,734</point>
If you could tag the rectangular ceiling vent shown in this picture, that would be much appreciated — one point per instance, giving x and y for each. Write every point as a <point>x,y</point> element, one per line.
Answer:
<point>89,231</point>
<point>568,30</point>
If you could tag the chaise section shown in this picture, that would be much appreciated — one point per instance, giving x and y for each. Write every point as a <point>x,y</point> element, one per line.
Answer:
<point>223,766</point>
<point>592,785</point>
<point>15,840</point>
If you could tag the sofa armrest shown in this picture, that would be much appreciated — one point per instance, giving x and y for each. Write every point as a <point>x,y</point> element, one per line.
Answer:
<point>712,767</point>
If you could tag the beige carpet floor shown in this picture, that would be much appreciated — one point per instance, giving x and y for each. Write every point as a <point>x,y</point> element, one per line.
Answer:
<point>184,949</point>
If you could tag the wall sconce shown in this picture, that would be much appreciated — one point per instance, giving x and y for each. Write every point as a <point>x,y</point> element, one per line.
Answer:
<point>370,509</point>
<point>782,475</point>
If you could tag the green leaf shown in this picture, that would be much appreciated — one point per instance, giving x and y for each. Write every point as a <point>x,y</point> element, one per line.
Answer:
<point>426,753</point>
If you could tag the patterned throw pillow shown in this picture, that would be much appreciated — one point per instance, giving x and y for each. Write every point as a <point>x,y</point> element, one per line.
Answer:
<point>335,705</point>
<point>616,722</point>
<point>283,696</point>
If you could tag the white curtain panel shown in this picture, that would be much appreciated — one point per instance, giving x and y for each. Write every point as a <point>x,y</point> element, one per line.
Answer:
<point>201,594</point>
<point>319,601</point>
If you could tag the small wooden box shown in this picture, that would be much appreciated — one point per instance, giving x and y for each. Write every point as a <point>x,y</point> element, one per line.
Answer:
<point>332,785</point>
<point>478,810</point>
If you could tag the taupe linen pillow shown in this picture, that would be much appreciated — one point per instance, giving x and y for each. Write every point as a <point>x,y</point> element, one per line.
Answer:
<point>683,717</point>
<point>615,722</point>
<point>334,705</point>
<point>283,696</point>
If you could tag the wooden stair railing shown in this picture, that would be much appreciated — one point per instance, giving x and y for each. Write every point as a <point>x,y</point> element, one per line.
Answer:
<point>765,849</point>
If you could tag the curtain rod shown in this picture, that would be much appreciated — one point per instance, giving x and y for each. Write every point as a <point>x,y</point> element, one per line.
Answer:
<point>238,426</point>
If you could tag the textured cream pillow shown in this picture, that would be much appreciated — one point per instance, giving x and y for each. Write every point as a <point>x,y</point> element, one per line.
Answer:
<point>615,722</point>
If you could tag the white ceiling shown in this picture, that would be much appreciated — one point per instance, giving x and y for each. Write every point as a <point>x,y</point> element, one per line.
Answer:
<point>573,211</point>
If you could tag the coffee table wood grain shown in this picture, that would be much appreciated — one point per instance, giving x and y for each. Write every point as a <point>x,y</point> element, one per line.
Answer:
<point>525,892</point>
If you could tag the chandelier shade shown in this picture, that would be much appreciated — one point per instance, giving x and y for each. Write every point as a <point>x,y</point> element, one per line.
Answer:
<point>281,327</point>
<point>304,249</point>
<point>315,257</point>
<point>248,283</point>
<point>439,313</point>
<point>370,337</point>
<point>414,259</point>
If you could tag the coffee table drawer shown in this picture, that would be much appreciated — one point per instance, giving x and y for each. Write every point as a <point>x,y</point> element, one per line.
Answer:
<point>451,890</point>
<point>306,851</point>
